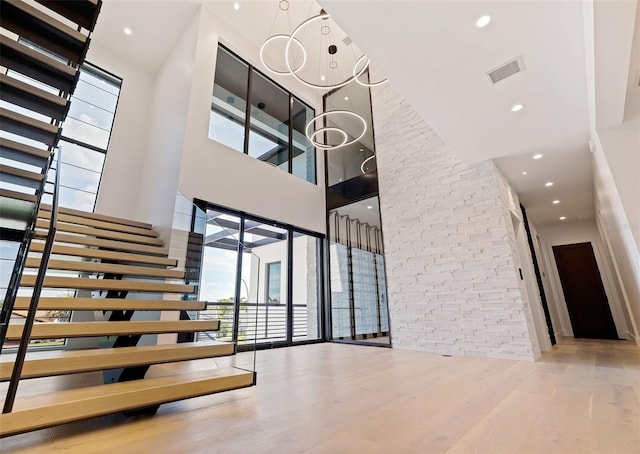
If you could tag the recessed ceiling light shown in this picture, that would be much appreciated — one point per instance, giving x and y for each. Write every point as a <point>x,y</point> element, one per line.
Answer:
<point>555,202</point>
<point>562,218</point>
<point>524,173</point>
<point>236,5</point>
<point>323,78</point>
<point>537,156</point>
<point>516,107</point>
<point>127,31</point>
<point>483,21</point>
<point>346,98</point>
<point>549,184</point>
<point>369,207</point>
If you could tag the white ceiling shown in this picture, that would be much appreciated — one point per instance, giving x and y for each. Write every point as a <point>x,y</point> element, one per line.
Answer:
<point>156,28</point>
<point>436,57</point>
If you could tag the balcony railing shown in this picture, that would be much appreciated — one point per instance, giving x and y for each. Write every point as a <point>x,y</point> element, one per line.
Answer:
<point>260,323</point>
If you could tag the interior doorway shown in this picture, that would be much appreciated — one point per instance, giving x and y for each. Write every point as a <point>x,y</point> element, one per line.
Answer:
<point>584,292</point>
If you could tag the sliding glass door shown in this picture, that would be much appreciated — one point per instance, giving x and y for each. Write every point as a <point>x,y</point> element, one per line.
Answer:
<point>261,279</point>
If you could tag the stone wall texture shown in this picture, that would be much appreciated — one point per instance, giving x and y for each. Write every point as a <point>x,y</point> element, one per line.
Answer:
<point>449,242</point>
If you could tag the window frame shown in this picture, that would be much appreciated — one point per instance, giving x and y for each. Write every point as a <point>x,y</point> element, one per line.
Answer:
<point>247,120</point>
<point>267,288</point>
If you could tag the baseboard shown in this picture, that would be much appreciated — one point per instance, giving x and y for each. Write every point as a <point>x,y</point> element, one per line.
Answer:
<point>634,338</point>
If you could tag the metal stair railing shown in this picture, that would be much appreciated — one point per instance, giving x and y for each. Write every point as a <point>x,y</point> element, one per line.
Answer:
<point>21,258</point>
<point>35,296</point>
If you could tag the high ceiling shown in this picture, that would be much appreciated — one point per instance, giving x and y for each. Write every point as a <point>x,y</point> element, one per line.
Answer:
<point>437,58</point>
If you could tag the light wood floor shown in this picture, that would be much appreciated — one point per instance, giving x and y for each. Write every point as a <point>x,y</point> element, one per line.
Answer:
<point>583,397</point>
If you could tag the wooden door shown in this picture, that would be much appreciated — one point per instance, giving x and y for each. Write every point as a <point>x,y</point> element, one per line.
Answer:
<point>583,291</point>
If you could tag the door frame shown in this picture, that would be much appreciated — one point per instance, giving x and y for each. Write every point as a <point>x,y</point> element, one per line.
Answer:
<point>603,268</point>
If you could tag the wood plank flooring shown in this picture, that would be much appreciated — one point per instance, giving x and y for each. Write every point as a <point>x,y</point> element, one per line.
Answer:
<point>584,397</point>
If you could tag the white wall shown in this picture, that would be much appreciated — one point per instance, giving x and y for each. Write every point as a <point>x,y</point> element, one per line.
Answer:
<point>120,182</point>
<point>168,111</point>
<point>620,227</point>
<point>219,174</point>
<point>450,247</point>
<point>160,141</point>
<point>582,233</point>
<point>546,276</point>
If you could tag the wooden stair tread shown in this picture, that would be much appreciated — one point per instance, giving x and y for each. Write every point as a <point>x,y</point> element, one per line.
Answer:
<point>23,125</point>
<point>97,216</point>
<point>96,329</point>
<point>43,29</point>
<point>71,219</point>
<point>101,233</point>
<point>52,409</point>
<point>58,362</point>
<point>109,304</point>
<point>98,267</point>
<point>84,283</point>
<point>75,251</point>
<point>106,244</point>
<point>34,64</point>
<point>18,195</point>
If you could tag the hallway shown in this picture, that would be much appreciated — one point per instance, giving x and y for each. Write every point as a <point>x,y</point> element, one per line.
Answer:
<point>330,398</point>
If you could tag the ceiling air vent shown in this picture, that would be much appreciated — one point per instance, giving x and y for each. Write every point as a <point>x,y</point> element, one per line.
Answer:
<point>506,70</point>
<point>347,41</point>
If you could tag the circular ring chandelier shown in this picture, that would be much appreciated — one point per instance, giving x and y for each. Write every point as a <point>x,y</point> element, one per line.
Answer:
<point>273,38</point>
<point>366,65</point>
<point>326,146</point>
<point>343,139</point>
<point>292,37</point>
<point>364,162</point>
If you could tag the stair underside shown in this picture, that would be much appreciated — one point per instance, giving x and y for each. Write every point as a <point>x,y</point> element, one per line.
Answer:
<point>34,64</point>
<point>58,408</point>
<point>95,329</point>
<point>20,152</point>
<point>43,29</point>
<point>82,12</point>
<point>28,127</point>
<point>33,98</point>
<point>59,362</point>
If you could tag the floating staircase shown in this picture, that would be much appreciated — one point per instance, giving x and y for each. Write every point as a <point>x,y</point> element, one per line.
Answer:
<point>93,263</point>
<point>110,280</point>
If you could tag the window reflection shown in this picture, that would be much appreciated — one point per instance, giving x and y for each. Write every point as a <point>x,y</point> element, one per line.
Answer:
<point>269,139</point>
<point>228,107</point>
<point>277,119</point>
<point>304,156</point>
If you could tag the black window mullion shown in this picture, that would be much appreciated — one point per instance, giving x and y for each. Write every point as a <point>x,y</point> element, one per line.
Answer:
<point>236,309</point>
<point>290,133</point>
<point>247,113</point>
<point>290,286</point>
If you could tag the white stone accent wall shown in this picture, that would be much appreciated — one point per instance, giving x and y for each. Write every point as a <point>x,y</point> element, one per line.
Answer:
<point>449,243</point>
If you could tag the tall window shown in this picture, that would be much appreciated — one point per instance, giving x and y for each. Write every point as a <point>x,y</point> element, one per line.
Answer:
<point>273,282</point>
<point>252,114</point>
<point>85,136</point>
